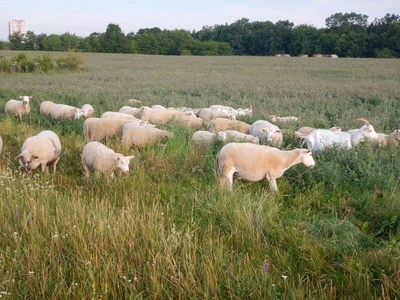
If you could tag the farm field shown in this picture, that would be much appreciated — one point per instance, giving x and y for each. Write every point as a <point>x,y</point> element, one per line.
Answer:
<point>166,230</point>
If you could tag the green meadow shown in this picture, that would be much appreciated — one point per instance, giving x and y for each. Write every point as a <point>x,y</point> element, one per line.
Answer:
<point>166,230</point>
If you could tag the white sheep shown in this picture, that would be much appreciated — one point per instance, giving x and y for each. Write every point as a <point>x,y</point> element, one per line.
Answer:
<point>143,136</point>
<point>232,111</point>
<point>103,160</point>
<point>207,114</point>
<point>221,124</point>
<point>204,138</point>
<point>365,132</point>
<point>134,101</point>
<point>43,149</point>
<point>101,129</point>
<point>237,136</point>
<point>278,119</point>
<point>18,108</point>
<point>88,110</point>
<point>189,121</point>
<point>252,162</point>
<point>134,123</point>
<point>87,128</point>
<point>161,116</point>
<point>319,139</point>
<point>268,133</point>
<point>66,112</point>
<point>158,106</point>
<point>302,132</point>
<point>46,107</point>
<point>117,115</point>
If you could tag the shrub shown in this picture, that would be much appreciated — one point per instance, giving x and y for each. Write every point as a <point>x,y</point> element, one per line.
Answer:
<point>70,62</point>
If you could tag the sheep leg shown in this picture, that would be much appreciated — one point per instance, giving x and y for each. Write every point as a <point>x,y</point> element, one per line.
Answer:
<point>272,184</point>
<point>85,171</point>
<point>227,177</point>
<point>55,166</point>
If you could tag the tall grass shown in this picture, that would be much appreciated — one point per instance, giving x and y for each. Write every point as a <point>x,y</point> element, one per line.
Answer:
<point>166,230</point>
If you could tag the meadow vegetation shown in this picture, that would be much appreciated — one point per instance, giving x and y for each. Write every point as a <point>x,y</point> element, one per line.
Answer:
<point>166,230</point>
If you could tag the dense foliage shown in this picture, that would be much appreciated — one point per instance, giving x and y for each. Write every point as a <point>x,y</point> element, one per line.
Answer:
<point>347,35</point>
<point>166,230</point>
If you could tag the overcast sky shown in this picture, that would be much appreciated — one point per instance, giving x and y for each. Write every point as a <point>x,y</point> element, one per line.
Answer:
<point>82,17</point>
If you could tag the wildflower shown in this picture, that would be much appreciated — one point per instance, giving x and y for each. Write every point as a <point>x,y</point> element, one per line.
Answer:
<point>284,276</point>
<point>31,272</point>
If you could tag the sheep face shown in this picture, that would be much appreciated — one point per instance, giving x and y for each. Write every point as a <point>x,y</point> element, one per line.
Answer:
<point>26,161</point>
<point>25,99</point>
<point>122,163</point>
<point>222,136</point>
<point>307,159</point>
<point>78,113</point>
<point>271,134</point>
<point>253,140</point>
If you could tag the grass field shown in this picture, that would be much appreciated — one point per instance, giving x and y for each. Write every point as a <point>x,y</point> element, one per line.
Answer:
<point>166,230</point>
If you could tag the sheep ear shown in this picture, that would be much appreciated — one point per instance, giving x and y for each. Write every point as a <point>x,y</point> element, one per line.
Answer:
<point>18,157</point>
<point>21,97</point>
<point>165,136</point>
<point>118,158</point>
<point>35,157</point>
<point>130,157</point>
<point>263,130</point>
<point>308,151</point>
<point>302,138</point>
<point>397,131</point>
<point>278,131</point>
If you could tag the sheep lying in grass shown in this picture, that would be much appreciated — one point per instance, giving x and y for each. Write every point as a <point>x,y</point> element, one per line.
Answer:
<point>220,124</point>
<point>267,133</point>
<point>18,108</point>
<point>103,161</point>
<point>254,162</point>
<point>278,119</point>
<point>46,107</point>
<point>143,136</point>
<point>88,110</point>
<point>204,138</point>
<point>66,112</point>
<point>207,114</point>
<point>43,149</point>
<point>232,111</point>
<point>237,136</point>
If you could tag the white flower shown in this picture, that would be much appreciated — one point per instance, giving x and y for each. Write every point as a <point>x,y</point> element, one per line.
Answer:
<point>284,276</point>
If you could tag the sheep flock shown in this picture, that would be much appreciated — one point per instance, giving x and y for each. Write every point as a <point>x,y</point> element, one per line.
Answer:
<point>250,152</point>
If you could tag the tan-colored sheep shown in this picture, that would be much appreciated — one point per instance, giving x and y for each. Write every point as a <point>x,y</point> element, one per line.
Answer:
<point>221,124</point>
<point>207,114</point>
<point>66,112</point>
<point>161,116</point>
<point>252,162</point>
<point>18,108</point>
<point>190,121</point>
<point>236,136</point>
<point>43,149</point>
<point>88,110</point>
<point>143,136</point>
<point>87,128</point>
<point>204,138</point>
<point>103,160</point>
<point>101,129</point>
<point>46,107</point>
<point>283,120</point>
<point>133,124</point>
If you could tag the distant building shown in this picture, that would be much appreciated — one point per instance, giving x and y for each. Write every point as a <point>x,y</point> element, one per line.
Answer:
<point>18,26</point>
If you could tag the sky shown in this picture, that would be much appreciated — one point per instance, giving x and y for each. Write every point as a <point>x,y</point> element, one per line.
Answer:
<point>83,17</point>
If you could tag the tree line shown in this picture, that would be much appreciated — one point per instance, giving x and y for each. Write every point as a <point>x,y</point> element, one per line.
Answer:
<point>347,35</point>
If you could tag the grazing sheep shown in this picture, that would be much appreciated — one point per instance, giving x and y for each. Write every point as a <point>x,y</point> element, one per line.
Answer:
<point>319,139</point>
<point>204,138</point>
<point>101,129</point>
<point>103,161</point>
<point>267,133</point>
<point>254,162</point>
<point>43,149</point>
<point>88,110</point>
<point>189,121</point>
<point>278,119</point>
<point>87,128</point>
<point>117,115</point>
<point>220,124</point>
<point>66,112</point>
<point>18,108</point>
<point>237,136</point>
<point>158,106</point>
<point>207,114</point>
<point>232,111</point>
<point>302,132</point>
<point>133,124</point>
<point>384,138</point>
<point>143,136</point>
<point>161,116</point>
<point>46,107</point>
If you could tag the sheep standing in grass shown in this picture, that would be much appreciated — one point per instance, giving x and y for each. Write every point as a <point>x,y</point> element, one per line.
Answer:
<point>43,149</point>
<point>204,138</point>
<point>161,116</point>
<point>103,161</point>
<point>254,162</point>
<point>268,133</point>
<point>66,112</point>
<point>117,115</point>
<point>88,110</point>
<point>18,108</point>
<point>207,114</point>
<point>220,124</point>
<point>190,121</point>
<point>101,129</point>
<point>46,107</point>
<point>143,136</point>
<point>302,132</point>
<point>237,136</point>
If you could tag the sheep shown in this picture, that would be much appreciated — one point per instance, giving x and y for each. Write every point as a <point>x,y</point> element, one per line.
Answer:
<point>101,129</point>
<point>190,121</point>
<point>158,106</point>
<point>66,112</point>
<point>87,128</point>
<point>207,114</point>
<point>278,119</point>
<point>88,110</point>
<point>134,101</point>
<point>204,138</point>
<point>46,107</point>
<point>365,132</point>
<point>43,149</point>
<point>233,112</point>
<point>302,132</point>
<point>133,123</point>
<point>220,124</point>
<point>18,108</point>
<point>319,139</point>
<point>267,133</point>
<point>117,115</point>
<point>103,160</point>
<point>384,138</point>
<point>161,116</point>
<point>237,136</point>
<point>252,162</point>
<point>143,136</point>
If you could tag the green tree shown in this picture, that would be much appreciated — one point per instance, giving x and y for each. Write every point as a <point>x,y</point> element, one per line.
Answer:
<point>344,23</point>
<point>305,40</point>
<point>31,41</point>
<point>114,40</point>
<point>54,43</point>
<point>69,42</point>
<point>16,41</point>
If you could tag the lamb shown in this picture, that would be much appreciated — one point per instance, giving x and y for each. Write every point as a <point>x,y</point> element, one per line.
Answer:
<point>88,110</point>
<point>302,132</point>
<point>220,124</point>
<point>278,119</point>
<point>237,136</point>
<point>204,138</point>
<point>46,107</point>
<point>43,149</point>
<point>103,160</point>
<point>161,116</point>
<point>101,129</point>
<point>18,108</point>
<point>267,133</point>
<point>254,162</point>
<point>143,136</point>
<point>66,112</point>
<point>207,114</point>
<point>117,115</point>
<point>190,121</point>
